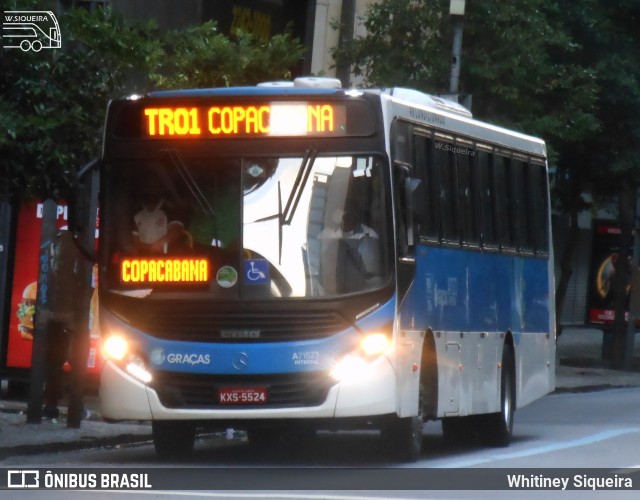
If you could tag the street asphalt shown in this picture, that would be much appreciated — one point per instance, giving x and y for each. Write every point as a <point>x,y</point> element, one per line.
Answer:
<point>579,368</point>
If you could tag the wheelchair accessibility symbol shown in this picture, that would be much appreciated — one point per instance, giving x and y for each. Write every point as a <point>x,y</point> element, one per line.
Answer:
<point>256,271</point>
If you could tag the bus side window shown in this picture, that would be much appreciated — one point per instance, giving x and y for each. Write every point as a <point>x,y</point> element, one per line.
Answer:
<point>448,188</point>
<point>425,167</point>
<point>485,189</point>
<point>543,187</point>
<point>537,207</point>
<point>466,193</point>
<point>518,222</point>
<point>501,201</point>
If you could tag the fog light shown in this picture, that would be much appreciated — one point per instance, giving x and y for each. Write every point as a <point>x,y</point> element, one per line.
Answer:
<point>351,367</point>
<point>137,368</point>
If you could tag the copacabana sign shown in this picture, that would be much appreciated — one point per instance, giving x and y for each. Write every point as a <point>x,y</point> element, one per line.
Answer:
<point>152,271</point>
<point>286,119</point>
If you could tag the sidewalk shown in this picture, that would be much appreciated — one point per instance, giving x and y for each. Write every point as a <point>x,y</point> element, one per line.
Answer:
<point>579,368</point>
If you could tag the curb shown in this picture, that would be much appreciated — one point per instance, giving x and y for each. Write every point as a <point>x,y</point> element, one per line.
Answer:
<point>591,388</point>
<point>86,443</point>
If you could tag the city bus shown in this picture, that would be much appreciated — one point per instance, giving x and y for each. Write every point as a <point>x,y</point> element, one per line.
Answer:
<point>288,258</point>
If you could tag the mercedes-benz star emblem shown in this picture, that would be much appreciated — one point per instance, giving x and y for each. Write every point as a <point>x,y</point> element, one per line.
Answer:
<point>240,361</point>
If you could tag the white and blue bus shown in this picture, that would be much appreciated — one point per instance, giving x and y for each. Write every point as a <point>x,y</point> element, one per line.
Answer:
<point>287,258</point>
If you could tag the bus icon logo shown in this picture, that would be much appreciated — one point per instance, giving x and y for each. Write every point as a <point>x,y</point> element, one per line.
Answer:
<point>23,479</point>
<point>30,30</point>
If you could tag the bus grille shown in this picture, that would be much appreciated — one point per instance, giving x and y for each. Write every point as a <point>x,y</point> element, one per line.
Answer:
<point>224,326</point>
<point>197,391</point>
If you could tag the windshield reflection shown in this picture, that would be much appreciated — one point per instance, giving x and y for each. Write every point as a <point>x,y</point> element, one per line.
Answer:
<point>309,226</point>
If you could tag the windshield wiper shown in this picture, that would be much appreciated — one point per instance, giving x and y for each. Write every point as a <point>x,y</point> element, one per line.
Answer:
<point>191,184</point>
<point>298,185</point>
<point>284,217</point>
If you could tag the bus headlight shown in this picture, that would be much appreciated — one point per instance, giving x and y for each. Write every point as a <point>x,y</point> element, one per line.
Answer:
<point>357,364</point>
<point>375,344</point>
<point>115,347</point>
<point>119,350</point>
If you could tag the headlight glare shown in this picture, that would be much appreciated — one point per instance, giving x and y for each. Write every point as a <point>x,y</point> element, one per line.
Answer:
<point>115,347</point>
<point>137,368</point>
<point>375,344</point>
<point>350,367</point>
<point>358,363</point>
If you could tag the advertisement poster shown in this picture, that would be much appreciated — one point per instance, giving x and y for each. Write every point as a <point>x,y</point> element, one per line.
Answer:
<point>604,260</point>
<point>24,289</point>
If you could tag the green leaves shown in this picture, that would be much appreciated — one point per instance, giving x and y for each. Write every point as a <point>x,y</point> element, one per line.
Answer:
<point>202,57</point>
<point>53,103</point>
<point>402,45</point>
<point>565,71</point>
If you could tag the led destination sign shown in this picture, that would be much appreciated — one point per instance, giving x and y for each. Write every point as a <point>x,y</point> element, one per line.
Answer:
<point>152,271</point>
<point>274,119</point>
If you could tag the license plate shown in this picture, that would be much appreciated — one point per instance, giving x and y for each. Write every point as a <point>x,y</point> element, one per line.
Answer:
<point>242,395</point>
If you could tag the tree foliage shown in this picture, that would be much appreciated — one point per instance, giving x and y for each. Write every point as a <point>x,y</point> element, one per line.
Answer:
<point>53,103</point>
<point>516,61</point>
<point>403,46</point>
<point>566,71</point>
<point>202,57</point>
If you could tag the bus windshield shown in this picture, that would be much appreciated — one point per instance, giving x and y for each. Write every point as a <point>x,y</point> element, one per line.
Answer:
<point>247,228</point>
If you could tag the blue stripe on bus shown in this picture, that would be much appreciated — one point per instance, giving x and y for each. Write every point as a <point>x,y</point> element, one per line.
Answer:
<point>260,357</point>
<point>469,291</point>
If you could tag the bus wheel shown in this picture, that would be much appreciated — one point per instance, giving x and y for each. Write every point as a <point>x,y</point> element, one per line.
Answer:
<point>403,437</point>
<point>173,440</point>
<point>36,46</point>
<point>25,45</point>
<point>498,427</point>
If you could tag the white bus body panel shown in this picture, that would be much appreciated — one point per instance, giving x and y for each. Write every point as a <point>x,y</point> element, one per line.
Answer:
<point>535,367</point>
<point>469,371</point>
<point>123,397</point>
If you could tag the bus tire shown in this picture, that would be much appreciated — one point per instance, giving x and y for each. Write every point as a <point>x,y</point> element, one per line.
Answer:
<point>498,427</point>
<point>25,45</point>
<point>403,437</point>
<point>173,440</point>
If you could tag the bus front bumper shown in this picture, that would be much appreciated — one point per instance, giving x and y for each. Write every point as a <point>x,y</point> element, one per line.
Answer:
<point>122,397</point>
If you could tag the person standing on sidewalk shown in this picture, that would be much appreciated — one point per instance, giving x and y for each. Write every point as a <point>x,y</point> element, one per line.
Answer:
<point>65,265</point>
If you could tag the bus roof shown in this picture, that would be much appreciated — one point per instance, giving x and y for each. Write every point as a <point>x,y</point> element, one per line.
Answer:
<point>449,117</point>
<point>245,91</point>
<point>413,105</point>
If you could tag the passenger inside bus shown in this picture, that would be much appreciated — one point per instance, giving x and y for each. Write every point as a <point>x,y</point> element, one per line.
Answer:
<point>364,239</point>
<point>351,258</point>
<point>156,225</point>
